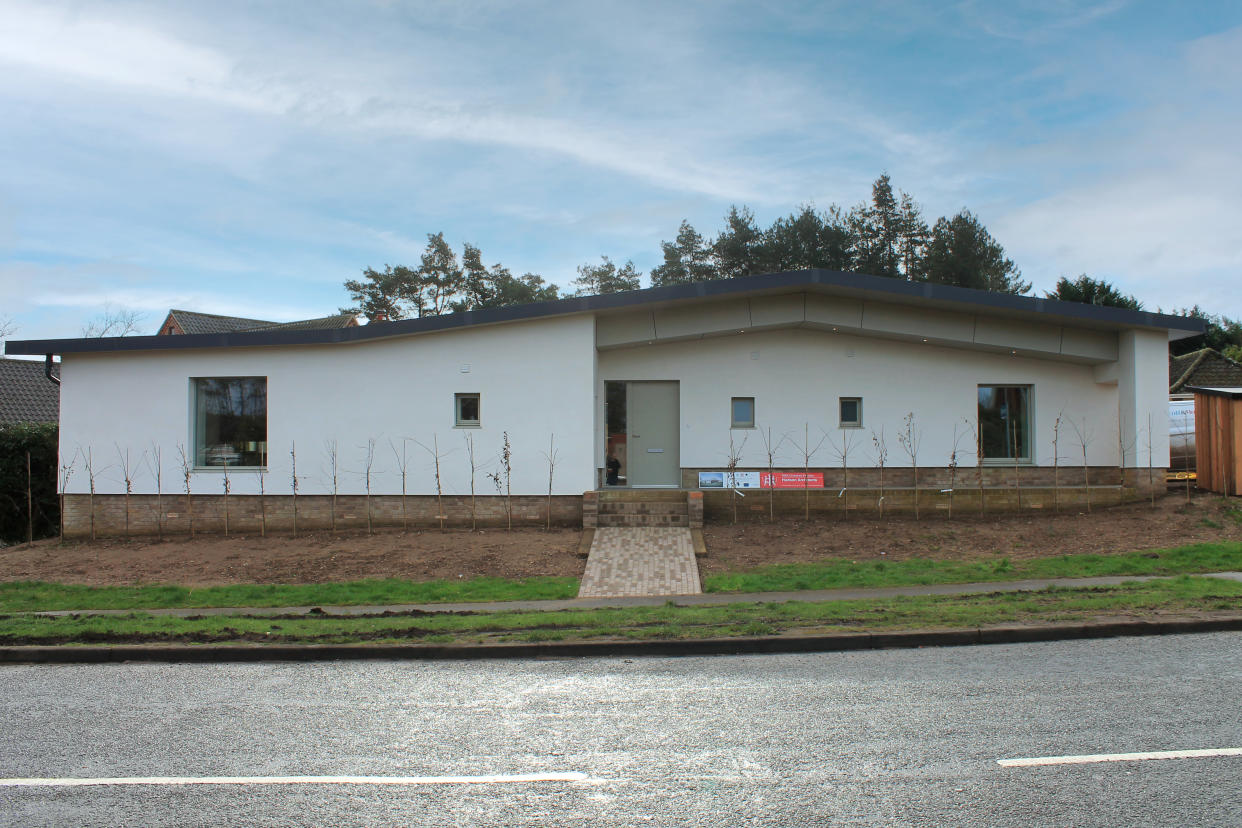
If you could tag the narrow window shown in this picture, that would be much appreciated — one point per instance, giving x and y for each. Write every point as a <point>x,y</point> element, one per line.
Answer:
<point>1005,422</point>
<point>467,410</point>
<point>851,412</point>
<point>743,412</point>
<point>230,421</point>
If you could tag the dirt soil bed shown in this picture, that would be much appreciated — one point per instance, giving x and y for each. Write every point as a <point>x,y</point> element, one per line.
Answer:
<point>322,557</point>
<point>319,557</point>
<point>968,537</point>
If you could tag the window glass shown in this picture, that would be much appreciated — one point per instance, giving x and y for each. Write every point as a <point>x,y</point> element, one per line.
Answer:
<point>743,412</point>
<point>467,409</point>
<point>230,421</point>
<point>851,412</point>
<point>1005,422</point>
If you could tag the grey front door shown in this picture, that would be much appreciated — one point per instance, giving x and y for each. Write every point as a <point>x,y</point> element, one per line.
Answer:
<point>653,414</point>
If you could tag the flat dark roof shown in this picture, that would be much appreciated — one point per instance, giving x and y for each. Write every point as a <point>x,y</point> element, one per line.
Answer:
<point>821,281</point>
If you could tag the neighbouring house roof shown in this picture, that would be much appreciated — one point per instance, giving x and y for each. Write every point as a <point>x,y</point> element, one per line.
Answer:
<point>340,320</point>
<point>26,394</point>
<point>824,282</point>
<point>1204,367</point>
<point>190,323</point>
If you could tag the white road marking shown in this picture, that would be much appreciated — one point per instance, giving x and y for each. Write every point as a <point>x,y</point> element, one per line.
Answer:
<point>71,782</point>
<point>1117,757</point>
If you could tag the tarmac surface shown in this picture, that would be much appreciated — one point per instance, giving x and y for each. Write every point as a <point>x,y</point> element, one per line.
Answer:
<point>894,737</point>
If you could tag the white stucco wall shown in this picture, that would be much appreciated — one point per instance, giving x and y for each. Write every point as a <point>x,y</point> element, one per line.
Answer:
<point>797,375</point>
<point>535,378</point>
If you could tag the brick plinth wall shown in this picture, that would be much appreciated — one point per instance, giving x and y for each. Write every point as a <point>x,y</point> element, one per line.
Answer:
<point>825,503</point>
<point>314,513</point>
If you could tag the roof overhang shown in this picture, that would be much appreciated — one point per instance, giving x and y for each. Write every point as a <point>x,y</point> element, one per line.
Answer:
<point>848,286</point>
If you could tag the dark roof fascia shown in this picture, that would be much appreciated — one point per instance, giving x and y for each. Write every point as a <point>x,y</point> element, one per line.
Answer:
<point>878,287</point>
<point>1227,393</point>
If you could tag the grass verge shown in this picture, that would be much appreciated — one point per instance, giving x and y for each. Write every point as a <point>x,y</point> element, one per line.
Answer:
<point>1177,595</point>
<point>29,596</point>
<point>837,574</point>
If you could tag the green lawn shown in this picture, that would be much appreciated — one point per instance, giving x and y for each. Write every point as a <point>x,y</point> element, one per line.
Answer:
<point>835,574</point>
<point>1181,594</point>
<point>27,596</point>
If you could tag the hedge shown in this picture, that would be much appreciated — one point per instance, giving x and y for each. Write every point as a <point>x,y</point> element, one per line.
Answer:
<point>40,440</point>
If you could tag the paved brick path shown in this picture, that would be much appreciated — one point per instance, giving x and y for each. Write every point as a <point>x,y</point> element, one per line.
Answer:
<point>640,562</point>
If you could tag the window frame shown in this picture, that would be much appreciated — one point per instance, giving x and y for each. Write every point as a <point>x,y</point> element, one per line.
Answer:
<point>1026,452</point>
<point>458,420</point>
<point>841,421</point>
<point>193,440</point>
<point>733,422</point>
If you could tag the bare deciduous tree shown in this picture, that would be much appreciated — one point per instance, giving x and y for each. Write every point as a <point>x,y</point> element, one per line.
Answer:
<point>474,470</point>
<point>91,471</point>
<point>842,450</point>
<point>114,320</point>
<point>1056,462</point>
<point>228,485</point>
<point>334,473</point>
<point>910,439</point>
<point>7,326</point>
<point>370,462</point>
<point>957,447</point>
<point>127,474</point>
<point>262,472</point>
<point>735,457</point>
<point>808,452</point>
<point>293,477</point>
<point>770,449</point>
<point>63,476</point>
<point>1084,436</point>
<point>403,465</point>
<point>434,451</point>
<point>187,472</point>
<point>502,476</point>
<point>157,471</point>
<point>551,456</point>
<point>880,444</point>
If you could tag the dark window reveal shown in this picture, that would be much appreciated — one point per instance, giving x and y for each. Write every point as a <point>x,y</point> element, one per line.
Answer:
<point>742,412</point>
<point>230,421</point>
<point>851,412</point>
<point>467,414</point>
<point>1005,422</point>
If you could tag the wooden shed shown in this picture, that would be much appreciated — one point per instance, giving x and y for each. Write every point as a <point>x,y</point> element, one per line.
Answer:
<point>1218,439</point>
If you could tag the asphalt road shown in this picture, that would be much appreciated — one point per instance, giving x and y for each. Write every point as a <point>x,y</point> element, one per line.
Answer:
<point>899,737</point>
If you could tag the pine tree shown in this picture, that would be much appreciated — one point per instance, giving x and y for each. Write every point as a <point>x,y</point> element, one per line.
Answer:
<point>687,259</point>
<point>1093,292</point>
<point>606,277</point>
<point>962,253</point>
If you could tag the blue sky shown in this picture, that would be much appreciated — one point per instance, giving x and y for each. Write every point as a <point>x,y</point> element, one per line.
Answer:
<point>239,159</point>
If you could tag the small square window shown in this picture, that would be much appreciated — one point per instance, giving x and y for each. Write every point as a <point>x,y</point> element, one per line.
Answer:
<point>743,412</point>
<point>851,412</point>
<point>467,410</point>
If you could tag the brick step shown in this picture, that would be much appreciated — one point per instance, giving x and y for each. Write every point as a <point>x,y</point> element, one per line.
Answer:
<point>651,521</point>
<point>654,507</point>
<point>640,495</point>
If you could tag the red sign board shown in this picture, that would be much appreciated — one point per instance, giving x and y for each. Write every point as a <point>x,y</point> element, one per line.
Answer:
<point>791,480</point>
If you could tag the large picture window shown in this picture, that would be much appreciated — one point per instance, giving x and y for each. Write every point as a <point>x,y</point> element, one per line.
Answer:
<point>1005,422</point>
<point>230,421</point>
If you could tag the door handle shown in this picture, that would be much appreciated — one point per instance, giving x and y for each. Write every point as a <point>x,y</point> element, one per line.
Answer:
<point>635,436</point>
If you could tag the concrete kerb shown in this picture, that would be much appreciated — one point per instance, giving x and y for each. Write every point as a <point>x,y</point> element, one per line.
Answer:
<point>208,653</point>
